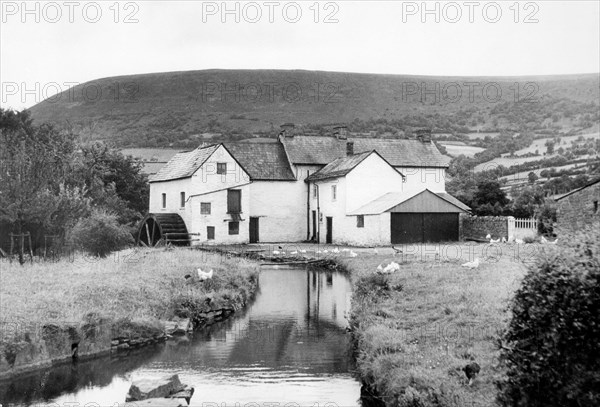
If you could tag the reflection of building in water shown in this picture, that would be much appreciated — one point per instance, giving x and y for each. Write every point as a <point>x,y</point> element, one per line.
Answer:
<point>291,326</point>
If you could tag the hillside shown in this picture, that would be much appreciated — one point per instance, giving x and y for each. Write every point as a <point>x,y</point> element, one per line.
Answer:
<point>182,109</point>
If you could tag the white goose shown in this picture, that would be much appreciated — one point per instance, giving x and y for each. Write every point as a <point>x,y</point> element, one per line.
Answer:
<point>471,264</point>
<point>203,275</point>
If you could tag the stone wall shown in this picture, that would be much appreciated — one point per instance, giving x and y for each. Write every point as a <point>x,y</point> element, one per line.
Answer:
<point>478,227</point>
<point>579,209</point>
<point>41,347</point>
<point>49,344</point>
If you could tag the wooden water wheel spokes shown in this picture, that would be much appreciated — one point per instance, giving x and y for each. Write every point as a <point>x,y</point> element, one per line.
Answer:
<point>157,229</point>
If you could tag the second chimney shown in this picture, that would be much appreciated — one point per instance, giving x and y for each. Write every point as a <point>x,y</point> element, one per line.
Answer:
<point>424,135</point>
<point>349,148</point>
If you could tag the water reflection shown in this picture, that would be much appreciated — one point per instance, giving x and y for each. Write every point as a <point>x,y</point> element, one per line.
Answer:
<point>289,346</point>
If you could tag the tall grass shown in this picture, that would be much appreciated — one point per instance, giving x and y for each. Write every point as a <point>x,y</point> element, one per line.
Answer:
<point>138,286</point>
<point>417,330</point>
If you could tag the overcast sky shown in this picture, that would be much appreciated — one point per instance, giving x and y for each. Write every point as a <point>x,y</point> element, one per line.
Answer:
<point>478,38</point>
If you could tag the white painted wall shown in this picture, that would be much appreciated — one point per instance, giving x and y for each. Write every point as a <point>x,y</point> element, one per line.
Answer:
<point>172,189</point>
<point>369,180</point>
<point>326,206</point>
<point>205,185</point>
<point>218,217</point>
<point>281,209</point>
<point>418,179</point>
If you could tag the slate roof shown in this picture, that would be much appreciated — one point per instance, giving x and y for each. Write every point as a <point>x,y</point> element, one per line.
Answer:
<point>321,150</point>
<point>391,199</point>
<point>184,165</point>
<point>339,167</point>
<point>453,200</point>
<point>264,161</point>
<point>577,190</point>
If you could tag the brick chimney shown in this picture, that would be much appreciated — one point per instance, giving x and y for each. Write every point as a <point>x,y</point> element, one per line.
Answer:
<point>349,148</point>
<point>341,132</point>
<point>424,135</point>
<point>287,129</point>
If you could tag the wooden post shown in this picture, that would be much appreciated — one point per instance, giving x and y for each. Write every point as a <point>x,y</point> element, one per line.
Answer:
<point>30,247</point>
<point>21,248</point>
<point>12,245</point>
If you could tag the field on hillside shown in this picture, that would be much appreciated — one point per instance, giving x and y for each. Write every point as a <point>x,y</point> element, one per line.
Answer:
<point>540,144</point>
<point>455,149</point>
<point>179,108</point>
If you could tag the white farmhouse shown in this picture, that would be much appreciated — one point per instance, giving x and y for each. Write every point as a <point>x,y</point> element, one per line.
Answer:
<point>329,189</point>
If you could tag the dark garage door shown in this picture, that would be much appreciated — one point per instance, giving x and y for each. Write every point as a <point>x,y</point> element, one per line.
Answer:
<point>424,227</point>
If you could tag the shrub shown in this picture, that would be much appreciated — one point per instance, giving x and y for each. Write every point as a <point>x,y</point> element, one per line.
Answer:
<point>100,234</point>
<point>550,348</point>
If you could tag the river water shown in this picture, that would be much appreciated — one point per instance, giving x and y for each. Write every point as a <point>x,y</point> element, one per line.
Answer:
<point>289,347</point>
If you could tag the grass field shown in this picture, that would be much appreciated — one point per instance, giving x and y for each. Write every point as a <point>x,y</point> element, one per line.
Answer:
<point>141,286</point>
<point>540,144</point>
<point>418,328</point>
<point>455,149</point>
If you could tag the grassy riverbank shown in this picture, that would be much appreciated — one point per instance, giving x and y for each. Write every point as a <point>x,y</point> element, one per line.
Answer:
<point>130,291</point>
<point>418,328</point>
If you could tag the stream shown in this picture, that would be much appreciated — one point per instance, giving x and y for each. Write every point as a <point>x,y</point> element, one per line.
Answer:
<point>289,347</point>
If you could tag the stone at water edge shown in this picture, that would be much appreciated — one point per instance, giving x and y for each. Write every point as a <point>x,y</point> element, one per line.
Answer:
<point>185,394</point>
<point>178,327</point>
<point>148,388</point>
<point>157,403</point>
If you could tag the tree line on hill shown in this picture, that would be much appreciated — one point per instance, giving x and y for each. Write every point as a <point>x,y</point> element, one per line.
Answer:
<point>61,190</point>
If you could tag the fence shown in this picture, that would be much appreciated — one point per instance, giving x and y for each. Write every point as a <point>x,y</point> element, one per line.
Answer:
<point>526,224</point>
<point>521,228</point>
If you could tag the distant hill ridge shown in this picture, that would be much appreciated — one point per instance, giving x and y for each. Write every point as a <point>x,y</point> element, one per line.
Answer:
<point>176,108</point>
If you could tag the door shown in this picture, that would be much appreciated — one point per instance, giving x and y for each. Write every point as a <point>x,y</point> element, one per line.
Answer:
<point>329,236</point>
<point>253,230</point>
<point>314,225</point>
<point>424,227</point>
<point>407,228</point>
<point>440,227</point>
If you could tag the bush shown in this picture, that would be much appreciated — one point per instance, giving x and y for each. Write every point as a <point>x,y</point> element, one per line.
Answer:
<point>100,234</point>
<point>551,349</point>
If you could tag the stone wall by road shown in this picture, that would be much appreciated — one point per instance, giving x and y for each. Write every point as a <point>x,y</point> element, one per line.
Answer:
<point>579,209</point>
<point>478,227</point>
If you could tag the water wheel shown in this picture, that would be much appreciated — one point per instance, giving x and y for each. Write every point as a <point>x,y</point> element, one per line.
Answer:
<point>162,228</point>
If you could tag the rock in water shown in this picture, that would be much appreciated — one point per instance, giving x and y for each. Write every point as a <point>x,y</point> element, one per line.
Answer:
<point>157,403</point>
<point>154,388</point>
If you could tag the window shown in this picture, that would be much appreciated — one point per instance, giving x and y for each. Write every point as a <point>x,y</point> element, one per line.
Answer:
<point>164,201</point>
<point>204,208</point>
<point>595,206</point>
<point>234,201</point>
<point>210,232</point>
<point>360,221</point>
<point>234,228</point>
<point>221,168</point>
<point>333,192</point>
<point>315,191</point>
<point>182,196</point>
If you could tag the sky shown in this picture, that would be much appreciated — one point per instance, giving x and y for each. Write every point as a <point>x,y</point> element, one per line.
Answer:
<point>48,46</point>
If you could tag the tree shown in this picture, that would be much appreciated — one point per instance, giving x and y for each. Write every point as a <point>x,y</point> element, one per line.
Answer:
<point>549,146</point>
<point>532,177</point>
<point>113,181</point>
<point>486,197</point>
<point>36,161</point>
<point>527,202</point>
